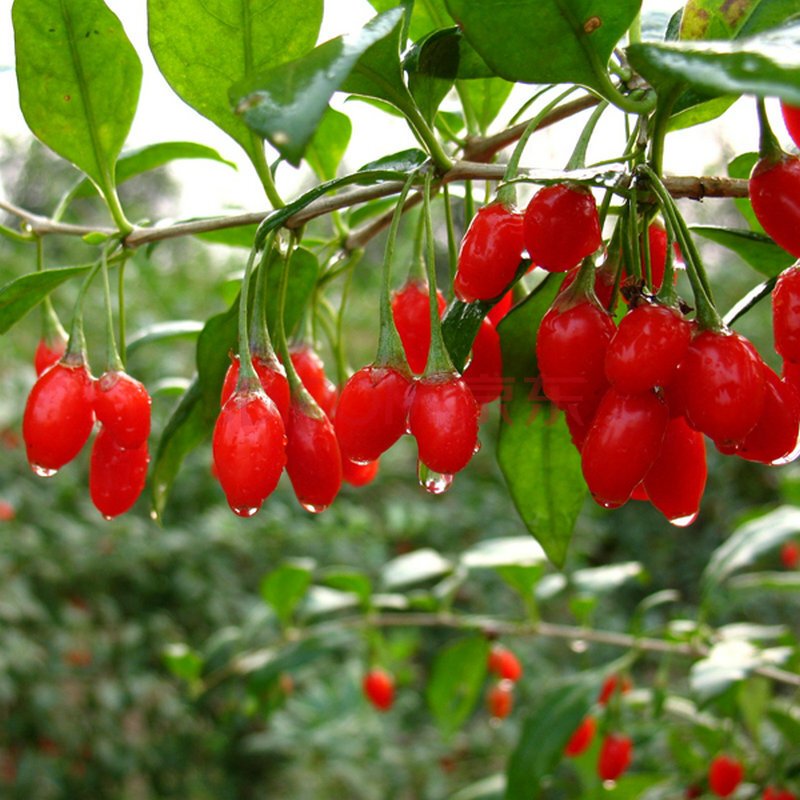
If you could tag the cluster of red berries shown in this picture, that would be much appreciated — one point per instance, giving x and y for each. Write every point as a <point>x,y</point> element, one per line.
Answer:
<point>59,417</point>
<point>503,664</point>
<point>726,772</point>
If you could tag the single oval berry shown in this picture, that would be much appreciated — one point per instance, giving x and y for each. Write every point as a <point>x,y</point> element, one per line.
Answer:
<point>48,353</point>
<point>490,253</point>
<point>786,314</point>
<point>311,369</point>
<point>775,195</point>
<point>646,348</point>
<point>616,753</point>
<point>791,116</point>
<point>58,417</point>
<point>444,421</point>
<point>122,405</point>
<point>724,775</point>
<point>313,458</point>
<point>411,312</point>
<point>612,684</point>
<point>501,308</point>
<point>372,412</point>
<point>677,479</point>
<point>273,380</point>
<point>249,447</point>
<point>503,663</point>
<point>117,474</point>
<point>500,699</point>
<point>378,687</point>
<point>484,372</point>
<point>359,474</point>
<point>720,383</point>
<point>582,738</point>
<point>622,444</point>
<point>561,226</point>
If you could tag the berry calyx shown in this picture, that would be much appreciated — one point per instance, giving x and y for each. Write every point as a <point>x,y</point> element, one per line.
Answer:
<point>582,738</point>
<point>775,194</point>
<point>273,380</point>
<point>122,405</point>
<point>616,753</point>
<point>249,446</point>
<point>58,416</point>
<point>500,699</point>
<point>503,663</point>
<point>561,226</point>
<point>117,474</point>
<point>411,312</point>
<point>378,687</point>
<point>724,775</point>
<point>490,253</point>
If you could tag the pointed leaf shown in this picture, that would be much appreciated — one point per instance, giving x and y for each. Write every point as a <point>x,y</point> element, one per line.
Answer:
<point>303,272</point>
<point>327,146</point>
<point>214,345</point>
<point>426,15</point>
<point>757,249</point>
<point>160,331</point>
<point>79,80</point>
<point>741,167</point>
<point>595,580</point>
<point>285,104</point>
<point>487,97</point>
<point>285,586</point>
<point>418,566</point>
<point>204,48</point>
<point>550,41</point>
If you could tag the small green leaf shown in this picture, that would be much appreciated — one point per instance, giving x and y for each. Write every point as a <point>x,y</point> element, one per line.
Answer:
<point>550,41</point>
<point>214,345</point>
<point>96,237</point>
<point>518,551</point>
<point>456,680</point>
<point>285,587</point>
<point>79,80</point>
<point>240,236</point>
<point>22,294</point>
<point>486,96</point>
<point>187,329</point>
<point>757,249</point>
<point>348,580</point>
<point>183,662</point>
<point>741,167</point>
<point>303,272</point>
<point>320,600</point>
<point>327,146</point>
<point>596,580</point>
<point>418,566</point>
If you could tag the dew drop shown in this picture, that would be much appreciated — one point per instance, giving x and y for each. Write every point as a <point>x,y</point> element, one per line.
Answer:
<point>313,509</point>
<point>245,511</point>
<point>682,522</point>
<point>362,462</point>
<point>154,515</point>
<point>433,482</point>
<point>43,472</point>
<point>578,646</point>
<point>477,447</point>
<point>107,517</point>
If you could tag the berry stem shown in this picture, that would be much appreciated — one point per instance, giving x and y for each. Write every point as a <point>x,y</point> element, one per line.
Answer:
<point>578,158</point>
<point>248,377</point>
<point>76,345</point>
<point>768,145</point>
<point>113,361</point>
<point>260,342</point>
<point>52,329</point>
<point>452,247</point>
<point>661,119</point>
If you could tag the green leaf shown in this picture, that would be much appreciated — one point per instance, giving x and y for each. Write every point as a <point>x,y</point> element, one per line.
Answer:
<point>348,580</point>
<point>749,541</point>
<point>285,103</point>
<point>546,41</point>
<point>767,64</point>
<point>757,249</point>
<point>693,109</point>
<point>418,566</point>
<point>486,96</point>
<point>185,429</point>
<point>766,581</point>
<point>22,294</point>
<point>710,19</point>
<point>541,467</point>
<point>741,167</point>
<point>433,67</point>
<point>285,587</point>
<point>240,236</point>
<point>135,162</point>
<point>214,344</point>
<point>596,580</point>
<point>517,551</point>
<point>303,272</point>
<point>456,679</point>
<point>426,15</point>
<point>187,329</point>
<point>544,735</point>
<point>327,147</point>
<point>79,80</point>
<point>183,662</point>
<point>204,48</point>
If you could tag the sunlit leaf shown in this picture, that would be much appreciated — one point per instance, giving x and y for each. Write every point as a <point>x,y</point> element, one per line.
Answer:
<point>285,586</point>
<point>757,249</point>
<point>418,566</point>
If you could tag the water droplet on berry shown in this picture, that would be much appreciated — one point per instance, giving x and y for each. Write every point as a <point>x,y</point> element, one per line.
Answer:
<point>244,511</point>
<point>43,472</point>
<point>477,447</point>
<point>154,515</point>
<point>312,509</point>
<point>107,517</point>
<point>682,522</point>
<point>433,482</point>
<point>787,459</point>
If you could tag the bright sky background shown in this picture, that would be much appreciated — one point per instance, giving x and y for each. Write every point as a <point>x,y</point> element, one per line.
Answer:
<point>211,188</point>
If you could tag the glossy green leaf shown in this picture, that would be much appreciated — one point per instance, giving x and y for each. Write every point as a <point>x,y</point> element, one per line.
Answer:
<point>286,103</point>
<point>204,48</point>
<point>749,541</point>
<point>711,19</point>
<point>693,108</point>
<point>22,294</point>
<point>328,145</point>
<point>187,329</point>
<point>426,15</point>
<point>303,272</point>
<point>285,587</point>
<point>486,97</point>
<point>596,580</point>
<point>321,600</point>
<point>547,729</point>
<point>741,167</point>
<point>757,249</point>
<point>186,428</point>
<point>240,236</point>
<point>456,681</point>
<point>418,566</point>
<point>541,467</point>
<point>214,345</point>
<point>550,41</point>
<point>135,162</point>
<point>766,64</point>
<point>432,69</point>
<point>79,80</point>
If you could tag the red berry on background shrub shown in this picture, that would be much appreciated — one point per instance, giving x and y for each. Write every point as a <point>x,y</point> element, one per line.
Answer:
<point>790,555</point>
<point>500,699</point>
<point>657,240</point>
<point>7,511</point>
<point>313,458</point>
<point>372,412</point>
<point>490,253</point>
<point>311,369</point>
<point>675,482</point>
<point>411,313</point>
<point>561,226</point>
<point>359,474</point>
<point>786,314</point>
<point>249,447</point>
<point>622,444</point>
<point>791,116</point>
<point>772,793</point>
<point>122,405</point>
<point>611,684</point>
<point>58,417</point>
<point>273,381</point>
<point>484,372</point>
<point>646,348</point>
<point>724,775</point>
<point>582,738</point>
<point>48,353</point>
<point>616,753</point>
<point>775,195</point>
<point>378,687</point>
<point>721,382</point>
<point>444,421</point>
<point>504,664</point>
<point>117,474</point>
